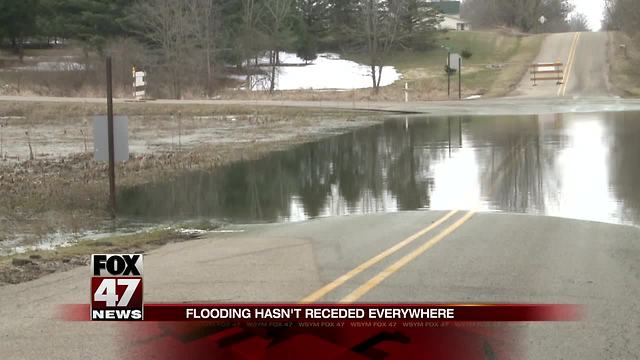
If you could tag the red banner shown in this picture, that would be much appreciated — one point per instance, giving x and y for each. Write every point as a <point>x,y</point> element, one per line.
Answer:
<point>347,313</point>
<point>330,331</point>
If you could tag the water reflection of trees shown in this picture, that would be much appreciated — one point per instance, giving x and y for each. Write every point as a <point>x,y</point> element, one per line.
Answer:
<point>623,132</point>
<point>521,171</point>
<point>368,170</point>
<point>513,161</point>
<point>389,167</point>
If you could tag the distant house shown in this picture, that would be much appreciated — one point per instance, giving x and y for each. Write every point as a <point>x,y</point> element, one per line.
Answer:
<point>451,13</point>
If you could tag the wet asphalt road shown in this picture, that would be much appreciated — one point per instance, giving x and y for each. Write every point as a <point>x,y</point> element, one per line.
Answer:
<point>487,258</point>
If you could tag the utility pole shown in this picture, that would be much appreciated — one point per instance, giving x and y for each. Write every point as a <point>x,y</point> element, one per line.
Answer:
<point>459,78</point>
<point>112,170</point>
<point>449,132</point>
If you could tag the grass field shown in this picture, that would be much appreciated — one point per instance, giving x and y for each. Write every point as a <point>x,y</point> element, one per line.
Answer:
<point>487,47</point>
<point>498,61</point>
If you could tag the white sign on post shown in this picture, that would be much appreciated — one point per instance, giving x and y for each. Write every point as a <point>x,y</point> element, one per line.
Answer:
<point>139,79</point>
<point>454,61</point>
<point>120,138</point>
<point>139,84</point>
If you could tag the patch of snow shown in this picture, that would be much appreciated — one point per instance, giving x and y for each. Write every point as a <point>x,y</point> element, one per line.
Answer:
<point>192,231</point>
<point>53,66</point>
<point>328,71</point>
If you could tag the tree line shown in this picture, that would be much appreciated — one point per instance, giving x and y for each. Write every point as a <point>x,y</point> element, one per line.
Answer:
<point>208,35</point>
<point>190,43</point>
<point>524,15</point>
<point>622,15</point>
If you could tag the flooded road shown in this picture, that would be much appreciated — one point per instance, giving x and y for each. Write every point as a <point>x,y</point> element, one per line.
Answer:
<point>581,166</point>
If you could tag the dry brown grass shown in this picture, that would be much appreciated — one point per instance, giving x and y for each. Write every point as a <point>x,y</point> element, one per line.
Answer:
<point>63,111</point>
<point>423,70</point>
<point>624,66</point>
<point>36,263</point>
<point>68,192</point>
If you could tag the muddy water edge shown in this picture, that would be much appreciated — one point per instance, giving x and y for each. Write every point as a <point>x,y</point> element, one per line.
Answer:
<point>51,188</point>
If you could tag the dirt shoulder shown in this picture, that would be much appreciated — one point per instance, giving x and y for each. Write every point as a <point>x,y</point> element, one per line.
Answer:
<point>32,264</point>
<point>51,185</point>
<point>624,64</point>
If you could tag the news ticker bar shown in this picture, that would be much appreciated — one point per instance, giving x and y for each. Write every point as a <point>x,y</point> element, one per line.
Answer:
<point>298,313</point>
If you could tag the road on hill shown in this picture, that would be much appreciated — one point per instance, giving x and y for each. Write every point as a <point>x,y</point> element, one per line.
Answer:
<point>585,64</point>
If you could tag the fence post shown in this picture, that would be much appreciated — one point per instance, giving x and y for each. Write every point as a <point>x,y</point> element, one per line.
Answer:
<point>448,74</point>
<point>406,92</point>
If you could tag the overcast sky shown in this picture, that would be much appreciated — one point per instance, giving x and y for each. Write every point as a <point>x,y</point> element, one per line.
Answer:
<point>593,9</point>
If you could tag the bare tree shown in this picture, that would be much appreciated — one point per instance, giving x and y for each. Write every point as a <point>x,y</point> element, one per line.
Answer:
<point>622,15</point>
<point>578,22</point>
<point>205,17</point>
<point>521,14</point>
<point>251,40</point>
<point>381,26</point>
<point>169,26</point>
<point>275,24</point>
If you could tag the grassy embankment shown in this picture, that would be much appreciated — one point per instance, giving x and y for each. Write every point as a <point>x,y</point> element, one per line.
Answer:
<point>499,61</point>
<point>624,65</point>
<point>33,264</point>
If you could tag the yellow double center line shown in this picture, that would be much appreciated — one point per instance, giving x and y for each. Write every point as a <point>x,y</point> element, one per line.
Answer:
<point>318,294</point>
<point>374,281</point>
<point>399,264</point>
<point>569,67</point>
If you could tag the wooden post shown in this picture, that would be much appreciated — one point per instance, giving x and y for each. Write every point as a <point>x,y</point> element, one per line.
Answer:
<point>112,171</point>
<point>449,132</point>
<point>460,132</point>
<point>133,73</point>
<point>448,74</point>
<point>406,92</point>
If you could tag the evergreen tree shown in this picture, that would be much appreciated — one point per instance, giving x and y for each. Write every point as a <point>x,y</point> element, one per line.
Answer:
<point>306,46</point>
<point>90,21</point>
<point>17,22</point>
<point>420,24</point>
<point>311,27</point>
<point>342,15</point>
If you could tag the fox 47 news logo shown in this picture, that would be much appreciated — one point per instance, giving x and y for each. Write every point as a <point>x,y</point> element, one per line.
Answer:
<point>116,287</point>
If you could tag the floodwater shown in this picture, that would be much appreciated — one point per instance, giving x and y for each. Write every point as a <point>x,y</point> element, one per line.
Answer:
<point>580,166</point>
